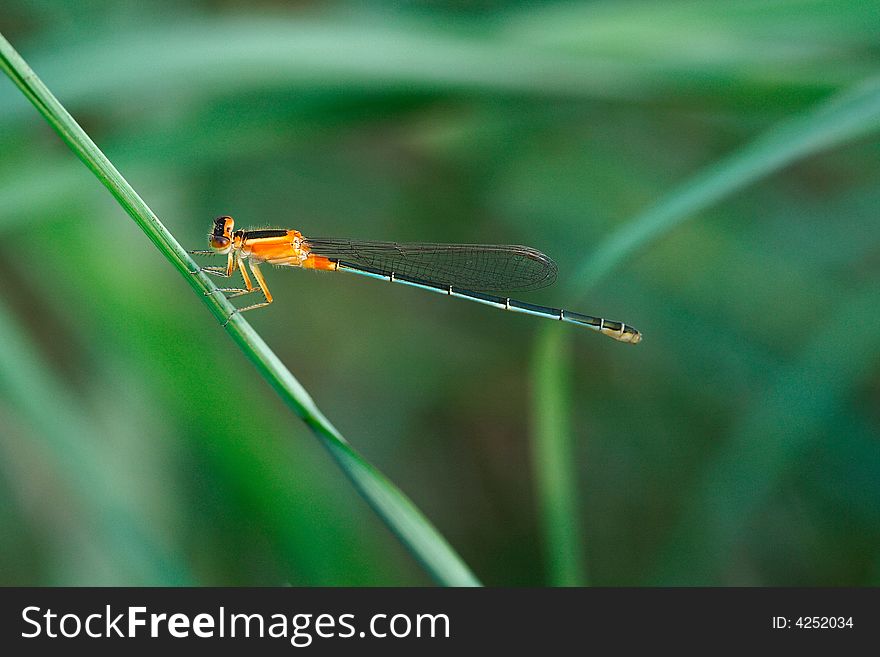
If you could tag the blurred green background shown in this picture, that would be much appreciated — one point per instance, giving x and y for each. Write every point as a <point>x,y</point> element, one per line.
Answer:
<point>738,444</point>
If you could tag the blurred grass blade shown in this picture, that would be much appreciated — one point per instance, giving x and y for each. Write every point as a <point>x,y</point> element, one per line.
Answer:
<point>801,403</point>
<point>844,117</point>
<point>399,513</point>
<point>404,519</point>
<point>108,519</point>
<point>244,54</point>
<point>387,500</point>
<point>555,473</point>
<point>582,50</point>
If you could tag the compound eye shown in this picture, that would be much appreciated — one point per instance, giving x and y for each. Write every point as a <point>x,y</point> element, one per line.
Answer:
<point>223,225</point>
<point>219,241</point>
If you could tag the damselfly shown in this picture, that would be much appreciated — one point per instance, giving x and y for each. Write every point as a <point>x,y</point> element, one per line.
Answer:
<point>466,271</point>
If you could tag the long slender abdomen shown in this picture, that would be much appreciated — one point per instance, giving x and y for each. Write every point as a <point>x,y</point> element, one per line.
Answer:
<point>613,329</point>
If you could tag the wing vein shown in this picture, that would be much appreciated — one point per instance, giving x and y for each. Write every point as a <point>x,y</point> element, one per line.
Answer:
<point>476,267</point>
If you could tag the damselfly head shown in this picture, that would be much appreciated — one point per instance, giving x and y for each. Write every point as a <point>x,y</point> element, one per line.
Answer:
<point>221,235</point>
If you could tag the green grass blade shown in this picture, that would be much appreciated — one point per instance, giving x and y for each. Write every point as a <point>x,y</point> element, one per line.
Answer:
<point>844,117</point>
<point>596,50</point>
<point>555,474</point>
<point>106,512</point>
<point>404,519</point>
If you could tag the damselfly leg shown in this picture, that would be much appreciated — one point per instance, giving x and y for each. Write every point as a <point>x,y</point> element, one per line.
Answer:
<point>236,264</point>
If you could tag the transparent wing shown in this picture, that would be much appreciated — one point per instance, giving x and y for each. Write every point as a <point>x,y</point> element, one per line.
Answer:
<point>476,267</point>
